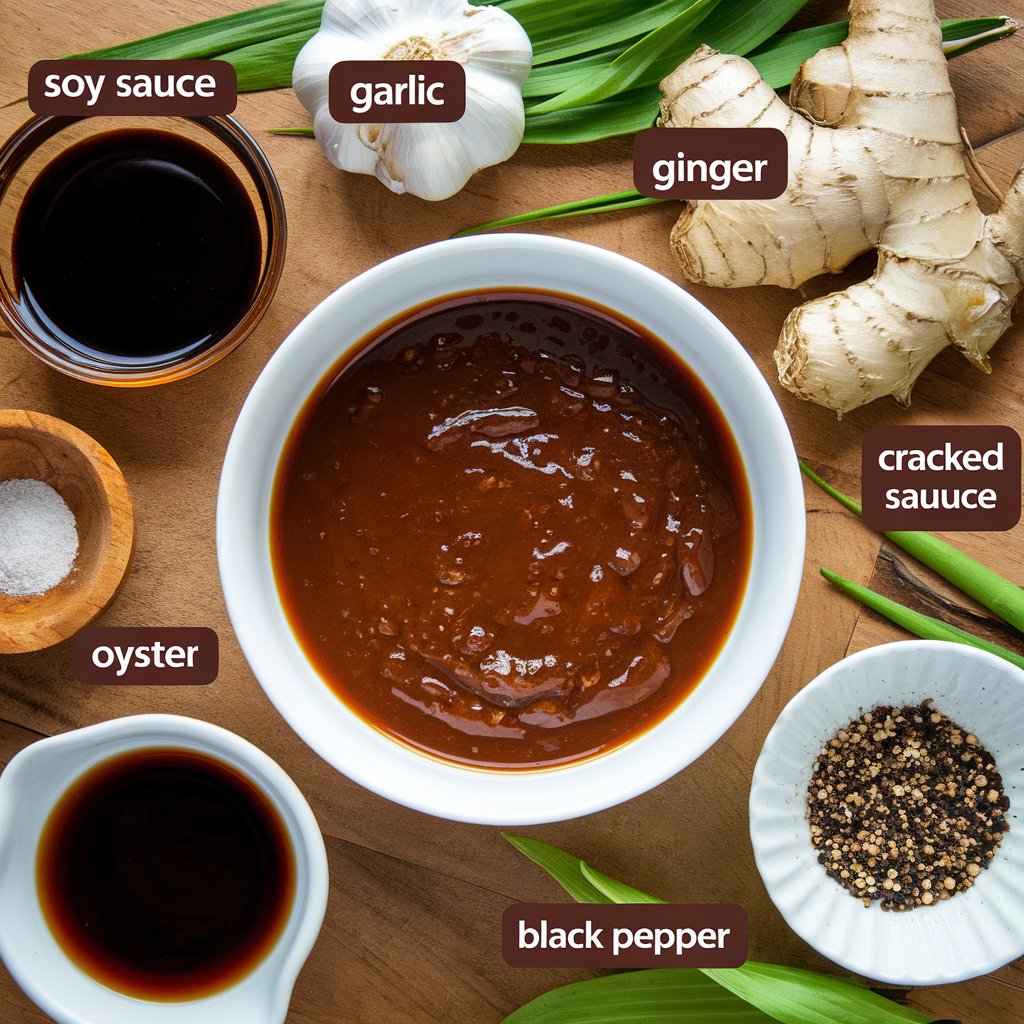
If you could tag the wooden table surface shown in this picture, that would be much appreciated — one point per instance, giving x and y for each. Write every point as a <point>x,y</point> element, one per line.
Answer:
<point>412,930</point>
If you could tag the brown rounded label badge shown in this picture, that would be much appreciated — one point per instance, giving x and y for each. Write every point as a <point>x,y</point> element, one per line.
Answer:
<point>711,163</point>
<point>941,477</point>
<point>79,88</point>
<point>624,935</point>
<point>397,91</point>
<point>141,656</point>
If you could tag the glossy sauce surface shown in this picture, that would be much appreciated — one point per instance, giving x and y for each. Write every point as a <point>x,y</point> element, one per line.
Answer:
<point>165,874</point>
<point>513,531</point>
<point>136,244</point>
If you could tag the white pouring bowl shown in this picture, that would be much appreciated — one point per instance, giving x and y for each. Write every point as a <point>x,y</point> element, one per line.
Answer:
<point>243,529</point>
<point>972,933</point>
<point>31,785</point>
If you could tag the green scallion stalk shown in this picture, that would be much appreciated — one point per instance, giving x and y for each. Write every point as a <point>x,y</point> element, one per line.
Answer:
<point>966,34</point>
<point>602,204</point>
<point>924,626</point>
<point>998,594</point>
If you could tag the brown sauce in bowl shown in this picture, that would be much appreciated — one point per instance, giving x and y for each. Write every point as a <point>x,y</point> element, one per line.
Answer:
<point>165,874</point>
<point>511,529</point>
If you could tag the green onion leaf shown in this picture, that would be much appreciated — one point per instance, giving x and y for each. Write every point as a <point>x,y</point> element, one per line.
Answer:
<point>793,996</point>
<point>600,204</point>
<point>778,59</point>
<point>568,28</point>
<point>622,115</point>
<point>266,65</point>
<point>987,587</point>
<point>968,34</point>
<point>549,79</point>
<point>733,27</point>
<point>617,892</point>
<point>784,994</point>
<point>640,997</point>
<point>644,63</point>
<point>563,867</point>
<point>845,500</point>
<point>924,626</point>
<point>221,35</point>
<point>740,25</point>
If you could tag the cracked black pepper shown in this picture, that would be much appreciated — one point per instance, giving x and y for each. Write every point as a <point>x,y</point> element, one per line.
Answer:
<point>905,807</point>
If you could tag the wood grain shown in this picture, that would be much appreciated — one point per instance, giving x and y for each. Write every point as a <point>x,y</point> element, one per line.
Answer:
<point>412,930</point>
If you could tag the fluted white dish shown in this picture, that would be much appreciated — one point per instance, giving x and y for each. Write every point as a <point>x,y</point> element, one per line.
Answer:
<point>971,934</point>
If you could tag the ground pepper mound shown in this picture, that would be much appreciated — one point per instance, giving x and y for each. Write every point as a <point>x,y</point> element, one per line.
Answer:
<point>905,807</point>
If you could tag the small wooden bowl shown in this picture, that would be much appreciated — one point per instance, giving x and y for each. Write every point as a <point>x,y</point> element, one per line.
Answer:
<point>34,446</point>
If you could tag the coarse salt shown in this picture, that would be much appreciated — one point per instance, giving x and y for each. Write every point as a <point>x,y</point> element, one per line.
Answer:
<point>38,538</point>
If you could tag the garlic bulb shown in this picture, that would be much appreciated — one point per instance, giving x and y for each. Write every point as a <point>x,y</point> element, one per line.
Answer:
<point>433,161</point>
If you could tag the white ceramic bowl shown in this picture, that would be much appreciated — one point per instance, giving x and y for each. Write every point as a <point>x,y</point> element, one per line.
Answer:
<point>243,536</point>
<point>969,935</point>
<point>30,787</point>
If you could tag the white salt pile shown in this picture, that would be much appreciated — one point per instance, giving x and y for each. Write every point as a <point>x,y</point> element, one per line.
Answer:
<point>38,538</point>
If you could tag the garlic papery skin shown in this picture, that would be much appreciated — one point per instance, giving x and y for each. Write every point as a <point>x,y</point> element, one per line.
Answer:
<point>432,161</point>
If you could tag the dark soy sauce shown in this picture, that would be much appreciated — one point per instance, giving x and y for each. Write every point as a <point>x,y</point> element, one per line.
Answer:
<point>136,246</point>
<point>165,874</point>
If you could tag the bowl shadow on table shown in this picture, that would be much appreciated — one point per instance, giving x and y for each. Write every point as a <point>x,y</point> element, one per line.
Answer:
<point>165,427</point>
<point>388,223</point>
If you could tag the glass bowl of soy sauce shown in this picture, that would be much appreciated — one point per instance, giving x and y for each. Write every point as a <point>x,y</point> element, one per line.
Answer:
<point>136,251</point>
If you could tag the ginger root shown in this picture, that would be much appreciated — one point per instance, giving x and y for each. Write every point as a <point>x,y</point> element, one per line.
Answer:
<point>875,161</point>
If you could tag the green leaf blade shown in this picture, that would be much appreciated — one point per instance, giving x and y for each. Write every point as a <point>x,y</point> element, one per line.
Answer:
<point>794,996</point>
<point>924,626</point>
<point>755,993</point>
<point>268,64</point>
<point>622,115</point>
<point>216,36</point>
<point>645,62</point>
<point>584,207</point>
<point>640,997</point>
<point>966,34</point>
<point>550,79</point>
<point>564,868</point>
<point>779,58</point>
<point>741,25</point>
<point>616,892</point>
<point>985,585</point>
<point>569,28</point>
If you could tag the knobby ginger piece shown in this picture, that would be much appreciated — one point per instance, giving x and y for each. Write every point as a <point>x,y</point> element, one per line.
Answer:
<point>875,161</point>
